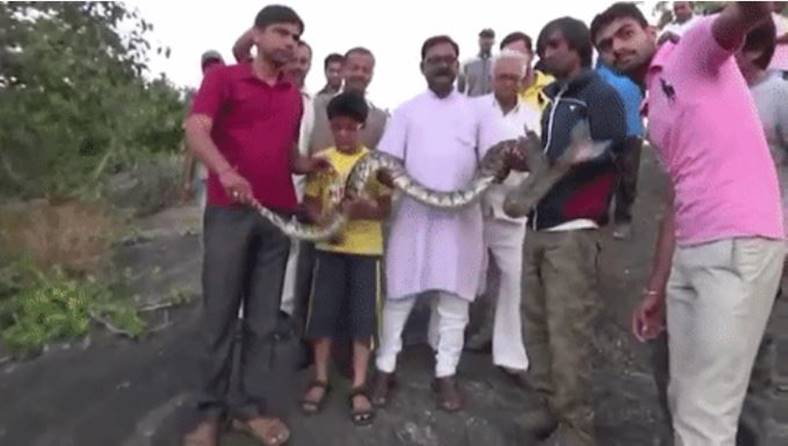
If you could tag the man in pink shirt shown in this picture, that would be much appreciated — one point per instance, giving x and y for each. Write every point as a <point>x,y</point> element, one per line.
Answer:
<point>719,252</point>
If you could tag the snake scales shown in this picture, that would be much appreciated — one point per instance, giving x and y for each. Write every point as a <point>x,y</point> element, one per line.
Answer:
<point>494,166</point>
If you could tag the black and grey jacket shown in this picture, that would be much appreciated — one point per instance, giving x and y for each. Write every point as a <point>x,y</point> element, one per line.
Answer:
<point>585,192</point>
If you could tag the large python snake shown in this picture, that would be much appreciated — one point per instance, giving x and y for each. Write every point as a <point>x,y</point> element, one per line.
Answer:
<point>493,167</point>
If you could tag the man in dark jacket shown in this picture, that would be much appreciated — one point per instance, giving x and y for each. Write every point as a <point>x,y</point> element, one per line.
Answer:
<point>561,250</point>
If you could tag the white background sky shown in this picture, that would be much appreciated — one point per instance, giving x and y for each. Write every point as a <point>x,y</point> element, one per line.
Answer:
<point>393,30</point>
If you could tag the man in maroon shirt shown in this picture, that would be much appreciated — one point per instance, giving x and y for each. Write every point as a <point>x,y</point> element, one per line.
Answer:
<point>244,127</point>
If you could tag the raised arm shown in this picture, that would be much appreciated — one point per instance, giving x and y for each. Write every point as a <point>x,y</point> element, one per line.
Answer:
<point>738,19</point>
<point>242,49</point>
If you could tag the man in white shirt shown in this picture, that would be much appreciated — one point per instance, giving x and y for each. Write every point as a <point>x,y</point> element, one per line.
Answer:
<point>297,69</point>
<point>502,116</point>
<point>683,19</point>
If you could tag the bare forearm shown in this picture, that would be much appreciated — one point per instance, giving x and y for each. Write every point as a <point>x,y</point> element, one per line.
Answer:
<point>300,165</point>
<point>663,258</point>
<point>199,142</point>
<point>242,49</point>
<point>372,210</point>
<point>738,19</point>
<point>188,165</point>
<point>312,209</point>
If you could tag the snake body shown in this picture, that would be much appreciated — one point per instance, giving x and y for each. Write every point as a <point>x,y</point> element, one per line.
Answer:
<point>494,166</point>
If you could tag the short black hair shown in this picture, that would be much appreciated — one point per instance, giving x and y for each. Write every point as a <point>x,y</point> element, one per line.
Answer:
<point>516,37</point>
<point>303,43</point>
<point>762,38</point>
<point>332,58</point>
<point>616,11</point>
<point>575,33</point>
<point>278,14</point>
<point>359,50</point>
<point>437,40</point>
<point>348,104</point>
<point>487,32</point>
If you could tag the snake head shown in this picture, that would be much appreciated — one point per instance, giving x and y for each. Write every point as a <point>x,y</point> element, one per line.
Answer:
<point>581,147</point>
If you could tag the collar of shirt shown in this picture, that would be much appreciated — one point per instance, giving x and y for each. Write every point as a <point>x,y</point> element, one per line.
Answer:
<point>451,96</point>
<point>282,81</point>
<point>498,107</point>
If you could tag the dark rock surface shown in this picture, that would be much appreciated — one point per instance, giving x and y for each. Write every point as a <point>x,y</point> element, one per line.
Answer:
<point>110,391</point>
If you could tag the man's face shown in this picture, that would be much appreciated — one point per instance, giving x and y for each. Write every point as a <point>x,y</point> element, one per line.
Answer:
<point>299,66</point>
<point>626,45</point>
<point>559,59</point>
<point>521,47</point>
<point>486,44</point>
<point>507,78</point>
<point>682,11</point>
<point>440,67</point>
<point>334,74</point>
<point>210,64</point>
<point>358,71</point>
<point>277,42</point>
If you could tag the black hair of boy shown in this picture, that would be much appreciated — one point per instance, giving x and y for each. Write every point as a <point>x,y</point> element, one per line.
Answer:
<point>348,104</point>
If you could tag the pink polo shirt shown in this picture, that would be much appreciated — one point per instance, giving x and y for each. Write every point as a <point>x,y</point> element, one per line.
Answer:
<point>705,128</point>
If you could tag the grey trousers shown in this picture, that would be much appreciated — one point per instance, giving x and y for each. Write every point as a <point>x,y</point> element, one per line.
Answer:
<point>244,262</point>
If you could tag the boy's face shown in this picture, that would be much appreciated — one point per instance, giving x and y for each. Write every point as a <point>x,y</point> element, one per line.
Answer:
<point>346,133</point>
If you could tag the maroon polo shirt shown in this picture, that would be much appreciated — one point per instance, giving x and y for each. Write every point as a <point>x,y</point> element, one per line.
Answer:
<point>255,126</point>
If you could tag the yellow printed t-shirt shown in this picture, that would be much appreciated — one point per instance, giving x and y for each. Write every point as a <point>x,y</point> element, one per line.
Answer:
<point>533,94</point>
<point>364,237</point>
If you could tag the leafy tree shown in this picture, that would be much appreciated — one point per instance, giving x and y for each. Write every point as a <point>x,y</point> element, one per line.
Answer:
<point>75,104</point>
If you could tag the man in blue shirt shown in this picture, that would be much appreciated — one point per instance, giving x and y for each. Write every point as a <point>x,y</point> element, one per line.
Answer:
<point>629,163</point>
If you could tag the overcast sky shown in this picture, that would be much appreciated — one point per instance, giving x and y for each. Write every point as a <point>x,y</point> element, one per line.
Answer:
<point>393,30</point>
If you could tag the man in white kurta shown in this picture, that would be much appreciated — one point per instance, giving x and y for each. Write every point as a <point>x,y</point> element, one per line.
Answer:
<point>433,250</point>
<point>503,116</point>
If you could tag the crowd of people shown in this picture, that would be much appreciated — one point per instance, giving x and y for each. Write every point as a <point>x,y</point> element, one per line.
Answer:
<point>716,104</point>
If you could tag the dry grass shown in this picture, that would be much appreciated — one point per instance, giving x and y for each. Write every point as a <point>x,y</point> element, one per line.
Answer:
<point>74,235</point>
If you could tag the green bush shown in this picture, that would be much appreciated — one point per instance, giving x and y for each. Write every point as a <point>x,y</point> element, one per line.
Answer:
<point>39,308</point>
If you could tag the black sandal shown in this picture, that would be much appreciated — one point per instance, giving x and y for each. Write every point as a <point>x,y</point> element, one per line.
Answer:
<point>310,407</point>
<point>361,417</point>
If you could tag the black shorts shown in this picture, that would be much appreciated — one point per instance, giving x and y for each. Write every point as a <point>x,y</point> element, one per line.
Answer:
<point>345,296</point>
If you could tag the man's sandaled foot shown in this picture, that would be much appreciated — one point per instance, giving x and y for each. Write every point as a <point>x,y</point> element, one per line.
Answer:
<point>315,396</point>
<point>381,388</point>
<point>361,410</point>
<point>448,394</point>
<point>205,434</point>
<point>270,431</point>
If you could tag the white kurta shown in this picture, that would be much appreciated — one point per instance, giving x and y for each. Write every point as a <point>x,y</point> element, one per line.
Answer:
<point>433,249</point>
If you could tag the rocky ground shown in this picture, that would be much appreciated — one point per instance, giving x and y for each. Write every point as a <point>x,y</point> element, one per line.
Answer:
<point>109,391</point>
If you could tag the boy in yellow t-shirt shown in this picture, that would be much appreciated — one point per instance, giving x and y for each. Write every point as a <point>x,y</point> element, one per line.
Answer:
<point>347,268</point>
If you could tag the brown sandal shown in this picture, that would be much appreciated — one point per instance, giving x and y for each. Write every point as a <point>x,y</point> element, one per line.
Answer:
<point>312,407</point>
<point>382,385</point>
<point>361,417</point>
<point>448,393</point>
<point>270,431</point>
